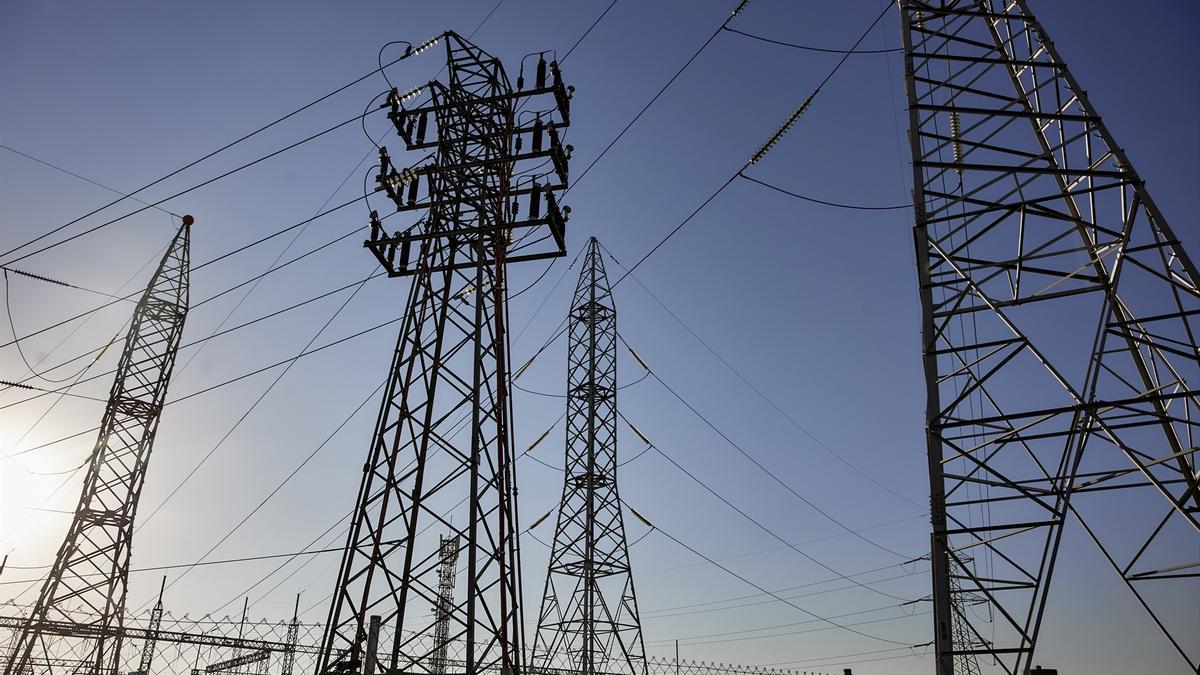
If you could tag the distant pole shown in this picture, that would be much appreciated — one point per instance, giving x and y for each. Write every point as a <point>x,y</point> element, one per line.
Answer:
<point>677,657</point>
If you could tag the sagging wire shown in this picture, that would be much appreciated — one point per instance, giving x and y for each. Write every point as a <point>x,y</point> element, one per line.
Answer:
<point>535,281</point>
<point>58,282</point>
<point>756,156</point>
<point>379,60</point>
<point>17,342</point>
<point>645,521</point>
<point>826,202</point>
<point>182,192</point>
<point>763,590</point>
<point>814,49</point>
<point>549,395</point>
<point>418,50</point>
<point>742,451</point>
<point>366,111</point>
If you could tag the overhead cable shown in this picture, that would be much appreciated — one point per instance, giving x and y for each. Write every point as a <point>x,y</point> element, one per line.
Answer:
<point>203,158</point>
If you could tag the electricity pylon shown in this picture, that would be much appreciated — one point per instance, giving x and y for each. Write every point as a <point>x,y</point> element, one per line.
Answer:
<point>1060,332</point>
<point>83,596</point>
<point>447,573</point>
<point>152,632</point>
<point>589,622</point>
<point>441,458</point>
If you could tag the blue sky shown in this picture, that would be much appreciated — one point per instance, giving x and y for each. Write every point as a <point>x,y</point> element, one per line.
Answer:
<point>817,307</point>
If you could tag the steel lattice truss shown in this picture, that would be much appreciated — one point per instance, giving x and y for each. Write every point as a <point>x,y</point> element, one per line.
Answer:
<point>91,569</point>
<point>589,621</point>
<point>447,575</point>
<point>441,458</point>
<point>1060,339</point>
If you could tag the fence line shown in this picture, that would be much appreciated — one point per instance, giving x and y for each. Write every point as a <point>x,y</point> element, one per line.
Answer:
<point>226,646</point>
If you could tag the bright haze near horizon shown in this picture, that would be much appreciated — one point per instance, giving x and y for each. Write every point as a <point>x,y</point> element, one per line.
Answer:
<point>816,307</point>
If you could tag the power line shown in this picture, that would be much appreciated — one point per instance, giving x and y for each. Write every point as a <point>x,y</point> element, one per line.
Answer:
<point>762,589</point>
<point>813,49</point>
<point>281,484</point>
<point>759,464</point>
<point>816,662</point>
<point>485,20</point>
<point>282,252</point>
<point>199,341</point>
<point>190,189</point>
<point>13,327</point>
<point>277,569</point>
<point>774,549</point>
<point>43,375</point>
<point>85,179</point>
<point>57,282</point>
<point>588,31</point>
<point>201,159</point>
<point>763,150</point>
<point>302,223</point>
<point>225,255</point>
<point>206,390</point>
<point>692,609</point>
<point>654,98</point>
<point>205,264</point>
<point>226,561</point>
<point>142,522</point>
<point>64,392</point>
<point>759,524</point>
<point>706,639</point>
<point>840,205</point>
<point>758,391</point>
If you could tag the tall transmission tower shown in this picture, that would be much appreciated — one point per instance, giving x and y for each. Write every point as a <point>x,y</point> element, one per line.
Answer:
<point>441,457</point>
<point>966,660</point>
<point>83,596</point>
<point>1060,338</point>
<point>589,622</point>
<point>447,573</point>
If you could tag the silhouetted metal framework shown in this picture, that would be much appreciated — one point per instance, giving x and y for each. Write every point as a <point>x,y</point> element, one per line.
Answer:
<point>152,634</point>
<point>1060,339</point>
<point>90,572</point>
<point>441,459</point>
<point>447,574</point>
<point>966,658</point>
<point>193,643</point>
<point>589,621</point>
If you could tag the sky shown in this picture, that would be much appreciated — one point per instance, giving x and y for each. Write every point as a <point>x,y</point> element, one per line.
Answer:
<point>811,307</point>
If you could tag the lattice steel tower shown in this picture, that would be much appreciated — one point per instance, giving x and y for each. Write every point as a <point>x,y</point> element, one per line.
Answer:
<point>83,596</point>
<point>1061,316</point>
<point>441,458</point>
<point>444,608</point>
<point>589,621</point>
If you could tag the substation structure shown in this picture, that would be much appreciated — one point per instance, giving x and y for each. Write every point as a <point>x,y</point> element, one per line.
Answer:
<point>1060,321</point>
<point>82,598</point>
<point>589,621</point>
<point>1060,318</point>
<point>229,645</point>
